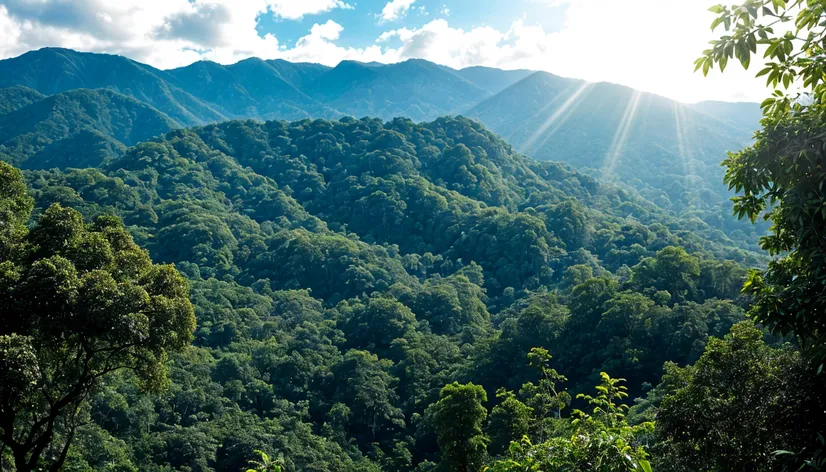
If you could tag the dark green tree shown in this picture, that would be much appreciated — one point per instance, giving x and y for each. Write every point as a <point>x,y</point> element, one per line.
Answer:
<point>781,177</point>
<point>509,421</point>
<point>738,404</point>
<point>457,418</point>
<point>78,301</point>
<point>672,269</point>
<point>365,386</point>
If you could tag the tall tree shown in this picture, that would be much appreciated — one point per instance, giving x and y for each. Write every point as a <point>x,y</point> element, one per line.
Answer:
<point>457,419</point>
<point>545,398</point>
<point>77,302</point>
<point>738,404</point>
<point>510,420</point>
<point>782,176</point>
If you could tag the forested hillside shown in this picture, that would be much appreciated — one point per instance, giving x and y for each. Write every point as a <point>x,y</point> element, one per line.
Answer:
<point>668,151</point>
<point>189,283</point>
<point>79,128</point>
<point>54,70</point>
<point>343,272</point>
<point>14,98</point>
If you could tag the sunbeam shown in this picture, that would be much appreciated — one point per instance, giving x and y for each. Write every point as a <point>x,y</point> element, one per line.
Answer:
<point>686,157</point>
<point>558,118</point>
<point>621,135</point>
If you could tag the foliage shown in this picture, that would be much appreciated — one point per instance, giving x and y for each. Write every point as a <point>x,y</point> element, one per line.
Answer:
<point>544,398</point>
<point>509,420</point>
<point>742,401</point>
<point>343,272</point>
<point>457,418</point>
<point>78,128</point>
<point>601,440</point>
<point>670,152</point>
<point>781,177</point>
<point>265,464</point>
<point>79,301</point>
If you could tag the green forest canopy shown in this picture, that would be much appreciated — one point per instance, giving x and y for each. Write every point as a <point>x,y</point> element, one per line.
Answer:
<point>343,272</point>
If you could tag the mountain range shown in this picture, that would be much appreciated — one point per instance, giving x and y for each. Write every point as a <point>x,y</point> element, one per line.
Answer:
<point>668,151</point>
<point>343,271</point>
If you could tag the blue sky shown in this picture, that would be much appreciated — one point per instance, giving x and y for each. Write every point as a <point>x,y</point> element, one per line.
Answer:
<point>649,45</point>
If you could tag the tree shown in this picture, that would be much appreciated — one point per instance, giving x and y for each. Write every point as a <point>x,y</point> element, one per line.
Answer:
<point>457,419</point>
<point>375,323</point>
<point>266,464</point>
<point>546,400</point>
<point>368,390</point>
<point>509,421</point>
<point>672,269</point>
<point>738,404</point>
<point>781,177</point>
<point>602,441</point>
<point>15,207</point>
<point>78,302</point>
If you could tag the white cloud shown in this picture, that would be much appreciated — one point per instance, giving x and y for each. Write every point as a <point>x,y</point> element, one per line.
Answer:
<point>204,24</point>
<point>328,31</point>
<point>386,36</point>
<point>650,45</point>
<point>635,43</point>
<point>395,9</point>
<point>318,46</point>
<point>11,33</point>
<point>295,9</point>
<point>438,42</point>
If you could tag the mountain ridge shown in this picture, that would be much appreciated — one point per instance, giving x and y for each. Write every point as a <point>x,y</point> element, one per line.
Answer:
<point>103,121</point>
<point>669,151</point>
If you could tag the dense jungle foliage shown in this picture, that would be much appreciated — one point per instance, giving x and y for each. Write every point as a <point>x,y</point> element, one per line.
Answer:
<point>368,295</point>
<point>343,272</point>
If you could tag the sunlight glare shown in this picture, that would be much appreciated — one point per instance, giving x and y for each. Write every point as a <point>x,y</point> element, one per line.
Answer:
<point>686,157</point>
<point>621,135</point>
<point>558,118</point>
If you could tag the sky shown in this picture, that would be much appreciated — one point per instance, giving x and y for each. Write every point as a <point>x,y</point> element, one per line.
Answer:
<point>649,45</point>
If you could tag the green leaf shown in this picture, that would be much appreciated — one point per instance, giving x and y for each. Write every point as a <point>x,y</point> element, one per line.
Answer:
<point>752,43</point>
<point>717,9</point>
<point>781,452</point>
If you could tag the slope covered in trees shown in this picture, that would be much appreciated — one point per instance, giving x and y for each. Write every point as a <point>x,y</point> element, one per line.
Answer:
<point>14,98</point>
<point>668,151</point>
<point>344,272</point>
<point>55,70</point>
<point>79,128</point>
